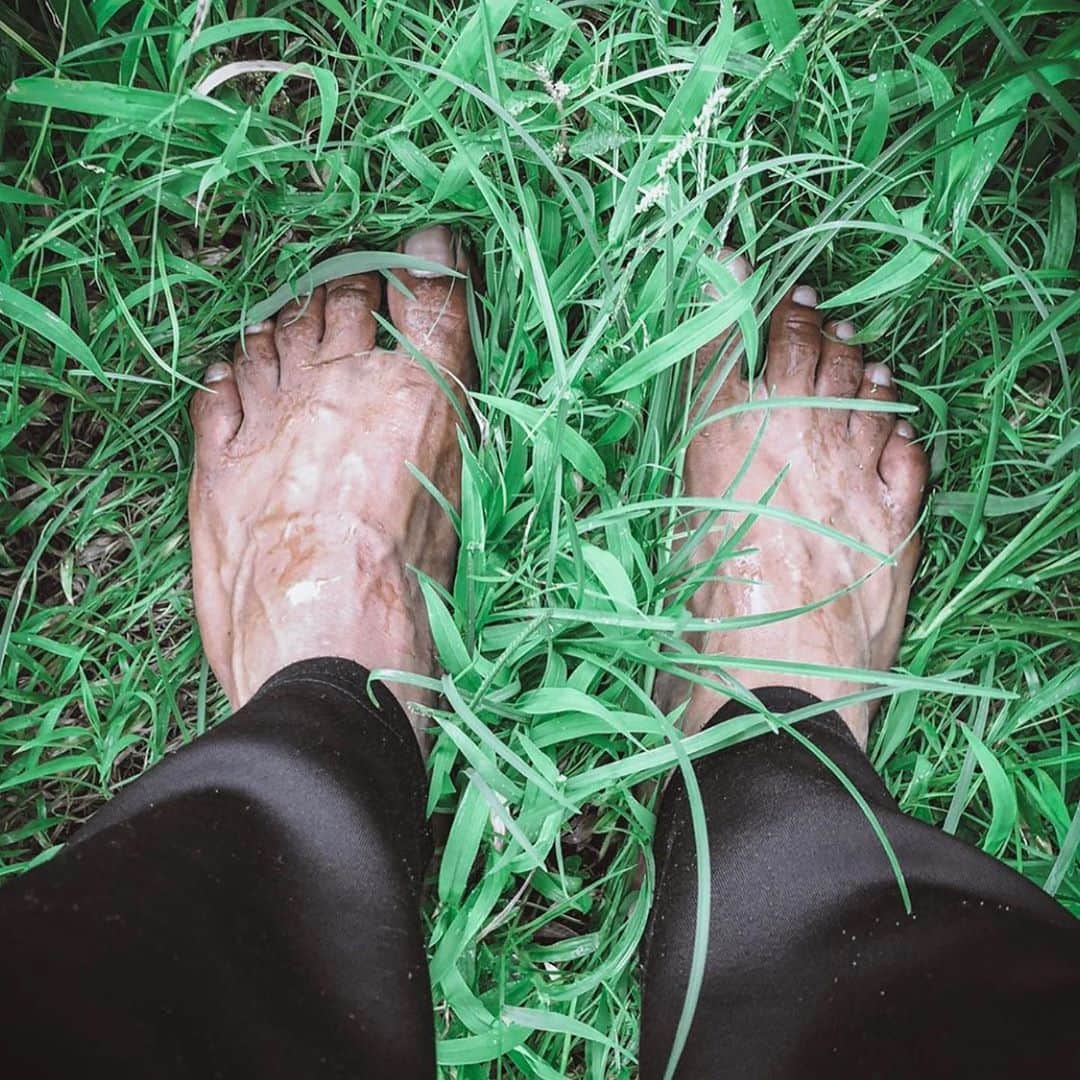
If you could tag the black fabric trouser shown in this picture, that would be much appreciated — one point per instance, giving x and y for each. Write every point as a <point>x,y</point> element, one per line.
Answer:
<point>250,907</point>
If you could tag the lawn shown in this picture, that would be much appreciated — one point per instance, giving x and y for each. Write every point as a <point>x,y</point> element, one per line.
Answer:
<point>167,166</point>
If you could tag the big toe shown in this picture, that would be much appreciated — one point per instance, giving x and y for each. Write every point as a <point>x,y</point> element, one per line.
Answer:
<point>904,468</point>
<point>794,343</point>
<point>429,307</point>
<point>216,412</point>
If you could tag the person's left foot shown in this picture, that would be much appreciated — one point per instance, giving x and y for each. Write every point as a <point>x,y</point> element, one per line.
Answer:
<point>857,472</point>
<point>304,517</point>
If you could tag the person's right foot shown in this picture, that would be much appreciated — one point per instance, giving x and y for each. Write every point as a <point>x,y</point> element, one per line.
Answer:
<point>857,472</point>
<point>305,520</point>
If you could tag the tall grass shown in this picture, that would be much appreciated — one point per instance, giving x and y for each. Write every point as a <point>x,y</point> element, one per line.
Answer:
<point>168,166</point>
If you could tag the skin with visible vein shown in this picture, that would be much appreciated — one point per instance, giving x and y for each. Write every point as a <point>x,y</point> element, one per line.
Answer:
<point>857,471</point>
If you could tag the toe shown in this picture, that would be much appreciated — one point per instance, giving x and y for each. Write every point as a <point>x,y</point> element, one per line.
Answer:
<point>719,363</point>
<point>840,367</point>
<point>216,412</point>
<point>349,319</point>
<point>904,468</point>
<point>870,430</point>
<point>255,360</point>
<point>298,333</point>
<point>434,318</point>
<point>794,343</point>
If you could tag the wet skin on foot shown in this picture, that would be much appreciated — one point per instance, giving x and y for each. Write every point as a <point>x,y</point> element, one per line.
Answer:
<point>859,472</point>
<point>305,519</point>
<point>304,516</point>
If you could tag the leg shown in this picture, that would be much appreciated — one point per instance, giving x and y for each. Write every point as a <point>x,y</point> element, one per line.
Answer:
<point>814,967</point>
<point>251,906</point>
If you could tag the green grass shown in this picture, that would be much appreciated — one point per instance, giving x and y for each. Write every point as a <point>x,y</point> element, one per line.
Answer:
<point>918,158</point>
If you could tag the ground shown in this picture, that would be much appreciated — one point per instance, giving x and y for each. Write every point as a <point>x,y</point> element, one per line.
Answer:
<point>909,160</point>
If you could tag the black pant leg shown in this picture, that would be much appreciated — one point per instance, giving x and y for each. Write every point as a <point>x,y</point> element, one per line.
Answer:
<point>248,908</point>
<point>814,967</point>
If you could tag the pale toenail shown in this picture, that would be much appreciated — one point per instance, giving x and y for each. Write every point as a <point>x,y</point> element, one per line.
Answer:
<point>217,372</point>
<point>845,331</point>
<point>432,245</point>
<point>738,265</point>
<point>805,296</point>
<point>880,375</point>
<point>904,429</point>
<point>263,327</point>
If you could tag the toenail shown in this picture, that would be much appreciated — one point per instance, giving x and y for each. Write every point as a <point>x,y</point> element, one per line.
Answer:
<point>738,266</point>
<point>904,429</point>
<point>432,245</point>
<point>263,327</point>
<point>845,331</point>
<point>805,295</point>
<point>880,375</point>
<point>217,372</point>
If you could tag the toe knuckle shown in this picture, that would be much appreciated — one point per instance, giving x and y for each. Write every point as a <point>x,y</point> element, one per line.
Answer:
<point>844,375</point>
<point>800,323</point>
<point>295,326</point>
<point>351,295</point>
<point>355,289</point>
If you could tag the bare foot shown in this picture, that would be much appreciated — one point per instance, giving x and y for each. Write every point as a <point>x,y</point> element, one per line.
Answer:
<point>304,518</point>
<point>857,472</point>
